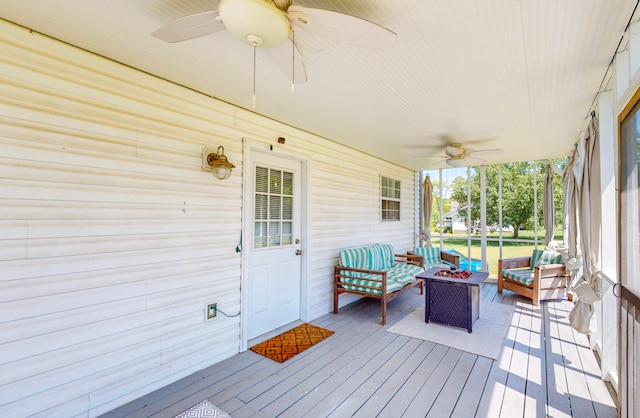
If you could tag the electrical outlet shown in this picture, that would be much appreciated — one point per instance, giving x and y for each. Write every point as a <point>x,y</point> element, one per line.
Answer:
<point>212,310</point>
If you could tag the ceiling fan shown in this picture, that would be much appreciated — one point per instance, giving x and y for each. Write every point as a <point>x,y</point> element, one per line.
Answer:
<point>458,156</point>
<point>268,24</point>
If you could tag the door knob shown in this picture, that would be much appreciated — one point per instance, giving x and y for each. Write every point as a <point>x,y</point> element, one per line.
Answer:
<point>298,252</point>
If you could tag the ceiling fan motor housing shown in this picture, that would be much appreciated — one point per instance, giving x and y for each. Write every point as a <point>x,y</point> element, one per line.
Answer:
<point>251,19</point>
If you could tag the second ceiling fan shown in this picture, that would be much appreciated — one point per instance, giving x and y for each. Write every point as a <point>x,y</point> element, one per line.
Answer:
<point>458,156</point>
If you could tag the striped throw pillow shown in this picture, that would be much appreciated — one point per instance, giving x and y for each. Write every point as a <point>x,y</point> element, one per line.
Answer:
<point>383,256</point>
<point>357,258</point>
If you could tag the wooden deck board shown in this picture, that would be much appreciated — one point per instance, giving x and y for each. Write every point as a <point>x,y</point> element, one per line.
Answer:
<point>536,372</point>
<point>368,388</point>
<point>558,403</point>
<point>391,387</point>
<point>421,392</point>
<point>467,403</point>
<point>545,368</point>
<point>321,383</point>
<point>445,401</point>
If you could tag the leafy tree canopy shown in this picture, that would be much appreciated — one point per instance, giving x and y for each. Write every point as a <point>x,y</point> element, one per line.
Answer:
<point>517,194</point>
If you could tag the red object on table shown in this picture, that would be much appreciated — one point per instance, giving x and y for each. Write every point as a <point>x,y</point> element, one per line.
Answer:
<point>456,274</point>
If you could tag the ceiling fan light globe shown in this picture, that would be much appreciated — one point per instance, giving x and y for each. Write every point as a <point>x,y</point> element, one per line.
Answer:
<point>246,19</point>
<point>456,162</point>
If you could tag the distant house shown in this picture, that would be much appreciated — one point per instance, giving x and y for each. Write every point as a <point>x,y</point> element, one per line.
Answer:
<point>452,220</point>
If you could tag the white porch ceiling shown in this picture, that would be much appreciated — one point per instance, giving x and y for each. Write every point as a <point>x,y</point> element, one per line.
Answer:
<point>521,75</point>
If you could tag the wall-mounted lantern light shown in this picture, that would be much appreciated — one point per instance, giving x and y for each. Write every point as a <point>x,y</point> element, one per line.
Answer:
<point>217,163</point>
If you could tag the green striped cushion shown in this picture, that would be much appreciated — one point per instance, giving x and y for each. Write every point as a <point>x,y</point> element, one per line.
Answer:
<point>357,258</point>
<point>383,256</point>
<point>443,265</point>
<point>524,276</point>
<point>374,287</point>
<point>431,255</point>
<point>403,273</point>
<point>542,257</point>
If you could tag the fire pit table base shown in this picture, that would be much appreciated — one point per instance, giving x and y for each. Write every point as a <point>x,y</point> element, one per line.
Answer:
<point>450,301</point>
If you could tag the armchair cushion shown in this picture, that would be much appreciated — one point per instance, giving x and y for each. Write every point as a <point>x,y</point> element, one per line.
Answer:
<point>432,257</point>
<point>544,257</point>
<point>524,276</point>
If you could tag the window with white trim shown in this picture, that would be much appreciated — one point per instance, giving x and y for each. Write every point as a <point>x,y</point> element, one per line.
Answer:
<point>389,199</point>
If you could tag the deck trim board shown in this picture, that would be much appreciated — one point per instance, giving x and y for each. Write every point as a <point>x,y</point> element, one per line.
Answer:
<point>545,368</point>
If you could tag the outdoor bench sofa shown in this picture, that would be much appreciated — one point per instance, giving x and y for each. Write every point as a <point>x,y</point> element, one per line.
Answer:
<point>376,272</point>
<point>541,276</point>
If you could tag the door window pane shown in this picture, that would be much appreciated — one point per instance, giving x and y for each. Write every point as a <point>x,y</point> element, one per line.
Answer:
<point>260,235</point>
<point>273,202</point>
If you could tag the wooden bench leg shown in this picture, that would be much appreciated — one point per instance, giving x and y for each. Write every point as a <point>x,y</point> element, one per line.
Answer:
<point>535,297</point>
<point>335,301</point>
<point>384,311</point>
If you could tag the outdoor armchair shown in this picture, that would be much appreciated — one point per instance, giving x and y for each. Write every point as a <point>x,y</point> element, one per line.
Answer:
<point>541,276</point>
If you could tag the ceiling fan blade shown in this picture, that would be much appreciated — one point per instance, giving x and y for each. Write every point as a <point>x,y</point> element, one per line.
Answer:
<point>442,157</point>
<point>282,55</point>
<point>341,27</point>
<point>484,152</point>
<point>189,27</point>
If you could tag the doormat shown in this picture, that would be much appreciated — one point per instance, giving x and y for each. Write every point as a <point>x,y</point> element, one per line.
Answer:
<point>286,345</point>
<point>203,409</point>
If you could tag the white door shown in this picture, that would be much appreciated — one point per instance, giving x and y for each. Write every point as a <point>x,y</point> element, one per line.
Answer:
<point>273,258</point>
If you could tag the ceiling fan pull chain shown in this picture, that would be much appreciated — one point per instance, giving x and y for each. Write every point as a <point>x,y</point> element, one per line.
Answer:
<point>293,61</point>
<point>253,100</point>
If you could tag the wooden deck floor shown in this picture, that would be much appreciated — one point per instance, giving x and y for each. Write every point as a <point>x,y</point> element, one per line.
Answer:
<point>545,369</point>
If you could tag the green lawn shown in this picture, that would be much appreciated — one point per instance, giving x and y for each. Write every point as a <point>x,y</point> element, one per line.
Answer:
<point>509,249</point>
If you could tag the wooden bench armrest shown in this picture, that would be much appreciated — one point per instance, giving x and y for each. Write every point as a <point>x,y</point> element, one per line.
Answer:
<point>347,270</point>
<point>513,263</point>
<point>550,270</point>
<point>415,259</point>
<point>451,258</point>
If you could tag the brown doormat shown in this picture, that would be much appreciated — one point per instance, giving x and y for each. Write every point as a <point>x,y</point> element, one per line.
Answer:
<point>286,345</point>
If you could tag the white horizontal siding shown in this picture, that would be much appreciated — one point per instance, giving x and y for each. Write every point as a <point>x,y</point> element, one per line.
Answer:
<point>113,239</point>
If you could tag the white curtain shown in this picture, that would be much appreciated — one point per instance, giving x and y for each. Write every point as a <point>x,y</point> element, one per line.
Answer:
<point>548,208</point>
<point>586,170</point>
<point>427,206</point>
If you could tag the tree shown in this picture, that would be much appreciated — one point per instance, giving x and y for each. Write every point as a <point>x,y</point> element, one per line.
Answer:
<point>517,195</point>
